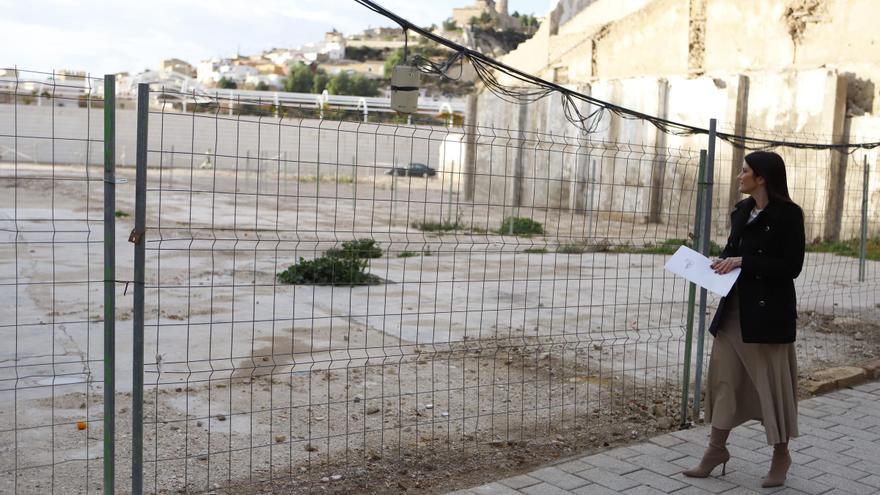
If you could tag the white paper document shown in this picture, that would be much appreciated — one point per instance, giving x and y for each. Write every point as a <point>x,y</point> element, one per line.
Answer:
<point>695,267</point>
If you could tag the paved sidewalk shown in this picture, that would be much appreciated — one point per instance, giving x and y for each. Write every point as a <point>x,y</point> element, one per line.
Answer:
<point>838,452</point>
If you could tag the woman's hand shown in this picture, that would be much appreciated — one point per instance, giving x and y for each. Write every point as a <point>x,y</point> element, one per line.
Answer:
<point>726,265</point>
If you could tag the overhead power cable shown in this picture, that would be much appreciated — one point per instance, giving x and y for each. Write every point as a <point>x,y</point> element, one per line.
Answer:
<point>587,119</point>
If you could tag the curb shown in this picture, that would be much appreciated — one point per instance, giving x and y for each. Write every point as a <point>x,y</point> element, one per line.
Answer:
<point>830,379</point>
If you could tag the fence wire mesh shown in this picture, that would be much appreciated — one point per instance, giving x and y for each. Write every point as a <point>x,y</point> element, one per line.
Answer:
<point>318,313</point>
<point>51,281</point>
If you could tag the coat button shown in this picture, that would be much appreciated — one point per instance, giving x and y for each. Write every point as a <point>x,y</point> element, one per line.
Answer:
<point>762,303</point>
<point>757,277</point>
<point>760,251</point>
<point>767,228</point>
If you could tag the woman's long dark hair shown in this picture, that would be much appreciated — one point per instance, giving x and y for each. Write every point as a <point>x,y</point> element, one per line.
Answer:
<point>770,166</point>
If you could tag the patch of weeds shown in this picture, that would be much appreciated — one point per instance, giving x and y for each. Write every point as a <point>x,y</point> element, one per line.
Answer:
<point>573,248</point>
<point>521,226</point>
<point>328,270</point>
<point>536,250</point>
<point>438,226</point>
<point>361,248</point>
<point>121,214</point>
<point>311,179</point>
<point>411,254</point>
<point>669,246</point>
<point>849,248</point>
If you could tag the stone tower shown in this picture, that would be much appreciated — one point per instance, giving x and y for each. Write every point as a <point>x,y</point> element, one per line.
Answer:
<point>501,7</point>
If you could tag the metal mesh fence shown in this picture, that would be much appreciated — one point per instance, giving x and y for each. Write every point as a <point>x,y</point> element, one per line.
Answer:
<point>51,283</point>
<point>317,312</point>
<point>367,306</point>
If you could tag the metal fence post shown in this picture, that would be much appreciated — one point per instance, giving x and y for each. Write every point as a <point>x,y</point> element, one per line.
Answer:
<point>863,241</point>
<point>692,290</point>
<point>705,237</point>
<point>109,282</point>
<point>137,237</point>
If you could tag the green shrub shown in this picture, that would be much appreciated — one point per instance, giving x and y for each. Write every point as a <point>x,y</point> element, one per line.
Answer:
<point>361,248</point>
<point>328,270</point>
<point>121,214</point>
<point>437,226</point>
<point>520,226</point>
<point>540,250</point>
<point>848,248</point>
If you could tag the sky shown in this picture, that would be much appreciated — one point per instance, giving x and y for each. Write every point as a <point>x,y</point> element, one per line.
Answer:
<point>111,36</point>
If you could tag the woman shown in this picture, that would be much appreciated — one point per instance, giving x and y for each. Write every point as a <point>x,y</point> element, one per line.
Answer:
<point>753,370</point>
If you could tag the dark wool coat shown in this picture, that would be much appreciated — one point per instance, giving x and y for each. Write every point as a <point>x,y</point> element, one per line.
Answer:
<point>772,250</point>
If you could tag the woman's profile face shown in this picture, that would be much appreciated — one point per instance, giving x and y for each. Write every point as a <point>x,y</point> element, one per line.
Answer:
<point>748,181</point>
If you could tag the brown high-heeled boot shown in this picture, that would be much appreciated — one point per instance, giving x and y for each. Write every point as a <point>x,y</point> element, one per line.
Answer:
<point>715,454</point>
<point>778,466</point>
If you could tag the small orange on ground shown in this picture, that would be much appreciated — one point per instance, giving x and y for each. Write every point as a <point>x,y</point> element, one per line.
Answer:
<point>81,425</point>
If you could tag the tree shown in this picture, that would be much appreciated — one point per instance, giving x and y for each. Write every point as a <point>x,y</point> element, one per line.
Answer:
<point>449,25</point>
<point>340,84</point>
<point>262,86</point>
<point>300,79</point>
<point>226,83</point>
<point>394,59</point>
<point>320,82</point>
<point>364,86</point>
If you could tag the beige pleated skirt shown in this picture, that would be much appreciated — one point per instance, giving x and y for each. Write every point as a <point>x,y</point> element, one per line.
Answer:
<point>751,381</point>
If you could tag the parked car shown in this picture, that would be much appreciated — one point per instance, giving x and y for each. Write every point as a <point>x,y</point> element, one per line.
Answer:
<point>413,170</point>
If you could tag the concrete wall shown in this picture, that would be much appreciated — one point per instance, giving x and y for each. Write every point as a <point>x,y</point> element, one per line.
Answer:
<point>62,136</point>
<point>644,174</point>
<point>651,41</point>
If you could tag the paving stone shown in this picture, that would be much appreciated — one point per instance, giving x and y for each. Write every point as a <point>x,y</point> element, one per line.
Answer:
<point>749,455</point>
<point>520,481</point>
<point>711,484</point>
<point>666,440</point>
<point>461,492</point>
<point>813,413</point>
<point>745,442</point>
<point>617,466</point>
<point>856,432</point>
<point>644,490</point>
<point>823,454</point>
<point>814,431</point>
<point>558,477</point>
<point>691,490</point>
<point>664,453</point>
<point>608,479</point>
<point>656,465</point>
<point>871,466</point>
<point>494,489</point>
<point>809,486</point>
<point>806,441</point>
<point>572,466</point>
<point>848,485</point>
<point>836,469</point>
<point>544,489</point>
<point>622,453</point>
<point>872,480</point>
<point>594,489</point>
<point>654,480</point>
<point>869,387</point>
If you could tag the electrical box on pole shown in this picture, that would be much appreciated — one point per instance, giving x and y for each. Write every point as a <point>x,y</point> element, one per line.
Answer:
<point>405,89</point>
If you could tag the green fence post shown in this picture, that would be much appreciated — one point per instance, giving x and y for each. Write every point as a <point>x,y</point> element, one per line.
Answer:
<point>705,238</point>
<point>137,237</point>
<point>109,282</point>
<point>863,237</point>
<point>692,291</point>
